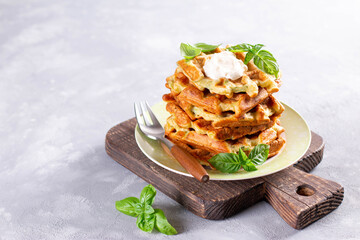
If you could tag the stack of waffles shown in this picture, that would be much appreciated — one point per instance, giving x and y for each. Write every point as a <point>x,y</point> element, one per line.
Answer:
<point>210,116</point>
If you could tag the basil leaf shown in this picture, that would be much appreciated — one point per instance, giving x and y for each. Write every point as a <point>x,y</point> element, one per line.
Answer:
<point>146,222</point>
<point>242,156</point>
<point>188,51</point>
<point>226,162</point>
<point>255,49</point>
<point>206,47</point>
<point>259,154</point>
<point>266,62</point>
<point>249,166</point>
<point>128,206</point>
<point>263,59</point>
<point>143,208</point>
<point>162,224</point>
<point>147,195</point>
<point>139,208</point>
<point>244,47</point>
<point>146,215</point>
<point>248,57</point>
<point>148,209</point>
<point>252,52</point>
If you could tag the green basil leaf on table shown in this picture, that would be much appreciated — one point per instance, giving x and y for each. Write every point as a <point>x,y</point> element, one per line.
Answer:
<point>147,195</point>
<point>162,224</point>
<point>147,217</point>
<point>146,222</point>
<point>148,209</point>
<point>128,206</point>
<point>139,208</point>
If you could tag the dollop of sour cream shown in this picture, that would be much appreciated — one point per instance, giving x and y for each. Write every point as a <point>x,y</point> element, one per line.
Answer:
<point>224,65</point>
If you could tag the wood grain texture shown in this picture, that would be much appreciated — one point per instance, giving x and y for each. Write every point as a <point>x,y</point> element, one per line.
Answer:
<point>314,154</point>
<point>222,199</point>
<point>301,198</point>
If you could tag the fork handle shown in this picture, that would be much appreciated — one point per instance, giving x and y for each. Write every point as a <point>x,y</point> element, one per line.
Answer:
<point>190,163</point>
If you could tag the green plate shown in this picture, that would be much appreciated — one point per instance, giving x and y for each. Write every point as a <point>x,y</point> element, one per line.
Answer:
<point>298,138</point>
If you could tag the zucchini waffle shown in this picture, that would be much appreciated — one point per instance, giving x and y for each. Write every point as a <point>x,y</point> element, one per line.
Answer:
<point>220,116</point>
<point>248,83</point>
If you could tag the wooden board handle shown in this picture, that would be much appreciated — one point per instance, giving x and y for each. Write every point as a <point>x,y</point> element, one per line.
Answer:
<point>190,163</point>
<point>301,198</point>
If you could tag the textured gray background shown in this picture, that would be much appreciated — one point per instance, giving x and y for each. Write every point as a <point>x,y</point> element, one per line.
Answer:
<point>70,70</point>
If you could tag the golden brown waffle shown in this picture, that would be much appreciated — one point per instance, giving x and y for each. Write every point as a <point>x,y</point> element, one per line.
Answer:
<point>200,154</point>
<point>249,82</point>
<point>263,113</point>
<point>203,155</point>
<point>202,126</point>
<point>180,120</point>
<point>239,103</point>
<point>203,146</point>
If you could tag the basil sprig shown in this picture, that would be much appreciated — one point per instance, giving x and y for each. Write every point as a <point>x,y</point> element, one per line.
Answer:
<point>147,217</point>
<point>263,59</point>
<point>189,51</point>
<point>231,162</point>
<point>206,47</point>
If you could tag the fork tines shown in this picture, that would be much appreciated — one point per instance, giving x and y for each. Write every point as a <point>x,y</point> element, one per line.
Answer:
<point>144,115</point>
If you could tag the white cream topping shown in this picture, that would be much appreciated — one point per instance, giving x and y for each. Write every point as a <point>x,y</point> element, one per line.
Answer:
<point>224,65</point>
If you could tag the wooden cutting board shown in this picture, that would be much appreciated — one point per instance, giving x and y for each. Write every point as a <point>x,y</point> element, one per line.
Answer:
<point>298,197</point>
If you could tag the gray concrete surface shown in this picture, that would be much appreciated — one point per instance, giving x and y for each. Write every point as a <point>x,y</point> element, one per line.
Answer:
<point>70,70</point>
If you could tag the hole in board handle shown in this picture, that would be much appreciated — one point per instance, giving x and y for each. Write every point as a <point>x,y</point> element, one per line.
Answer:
<point>305,190</point>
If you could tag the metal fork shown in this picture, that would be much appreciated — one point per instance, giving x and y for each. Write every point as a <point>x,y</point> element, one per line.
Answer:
<point>152,128</point>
